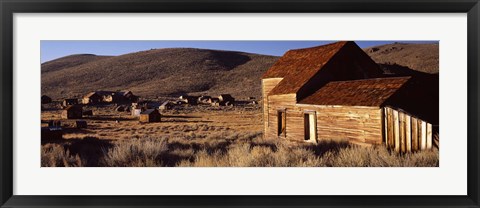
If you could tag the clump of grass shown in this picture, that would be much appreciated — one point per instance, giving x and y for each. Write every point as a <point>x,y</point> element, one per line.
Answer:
<point>236,149</point>
<point>54,155</point>
<point>136,153</point>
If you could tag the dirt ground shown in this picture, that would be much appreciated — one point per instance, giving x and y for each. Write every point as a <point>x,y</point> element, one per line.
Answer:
<point>106,123</point>
<point>202,136</point>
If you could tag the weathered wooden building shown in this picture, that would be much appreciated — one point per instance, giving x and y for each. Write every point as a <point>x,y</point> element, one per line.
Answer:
<point>150,115</point>
<point>333,92</point>
<point>92,98</point>
<point>69,102</point>
<point>167,105</point>
<point>72,112</point>
<point>226,98</point>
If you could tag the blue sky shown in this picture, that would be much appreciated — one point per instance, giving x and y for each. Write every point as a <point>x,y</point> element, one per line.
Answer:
<point>52,49</point>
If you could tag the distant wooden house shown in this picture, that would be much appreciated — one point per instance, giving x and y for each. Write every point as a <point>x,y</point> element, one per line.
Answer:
<point>187,99</point>
<point>204,99</point>
<point>45,99</point>
<point>117,96</point>
<point>69,102</point>
<point>336,92</point>
<point>72,112</point>
<point>150,115</point>
<point>167,105</point>
<point>92,98</point>
<point>136,111</point>
<point>213,100</point>
<point>226,97</point>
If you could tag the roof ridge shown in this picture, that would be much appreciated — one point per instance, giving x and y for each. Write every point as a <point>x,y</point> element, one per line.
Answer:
<point>341,43</point>
<point>370,79</point>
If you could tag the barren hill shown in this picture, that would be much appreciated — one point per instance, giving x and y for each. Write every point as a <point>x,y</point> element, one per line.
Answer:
<point>419,57</point>
<point>70,61</point>
<point>160,72</point>
<point>174,71</point>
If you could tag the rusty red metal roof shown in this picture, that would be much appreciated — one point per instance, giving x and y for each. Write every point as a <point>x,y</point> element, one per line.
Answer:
<point>296,67</point>
<point>365,92</point>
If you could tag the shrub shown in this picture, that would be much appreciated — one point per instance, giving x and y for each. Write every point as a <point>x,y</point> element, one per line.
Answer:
<point>136,153</point>
<point>54,155</point>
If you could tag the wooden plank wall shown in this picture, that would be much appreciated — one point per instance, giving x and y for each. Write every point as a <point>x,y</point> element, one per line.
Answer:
<point>361,125</point>
<point>267,86</point>
<point>406,133</point>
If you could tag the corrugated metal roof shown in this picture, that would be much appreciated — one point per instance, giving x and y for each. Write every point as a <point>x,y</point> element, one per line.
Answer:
<point>366,92</point>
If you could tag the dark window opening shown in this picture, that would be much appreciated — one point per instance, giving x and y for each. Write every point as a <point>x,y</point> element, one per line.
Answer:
<point>282,119</point>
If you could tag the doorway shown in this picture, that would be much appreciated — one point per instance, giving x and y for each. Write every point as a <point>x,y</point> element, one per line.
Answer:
<point>310,126</point>
<point>282,123</point>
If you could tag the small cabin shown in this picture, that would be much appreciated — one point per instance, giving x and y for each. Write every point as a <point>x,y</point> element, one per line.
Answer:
<point>72,112</point>
<point>167,105</point>
<point>45,99</point>
<point>136,112</point>
<point>92,98</point>
<point>187,99</point>
<point>150,115</point>
<point>204,99</point>
<point>213,100</point>
<point>226,97</point>
<point>69,102</point>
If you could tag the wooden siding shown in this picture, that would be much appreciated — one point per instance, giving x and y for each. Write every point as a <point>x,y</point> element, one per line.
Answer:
<point>267,86</point>
<point>356,124</point>
<point>406,133</point>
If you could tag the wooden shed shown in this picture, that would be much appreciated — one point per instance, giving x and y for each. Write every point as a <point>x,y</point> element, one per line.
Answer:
<point>226,98</point>
<point>92,98</point>
<point>167,105</point>
<point>70,101</point>
<point>72,112</point>
<point>150,115</point>
<point>204,99</point>
<point>334,92</point>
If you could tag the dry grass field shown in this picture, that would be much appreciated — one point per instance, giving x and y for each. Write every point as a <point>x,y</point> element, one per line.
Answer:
<point>203,136</point>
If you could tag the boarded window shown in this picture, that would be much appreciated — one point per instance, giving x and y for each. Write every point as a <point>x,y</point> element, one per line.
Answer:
<point>310,127</point>
<point>282,120</point>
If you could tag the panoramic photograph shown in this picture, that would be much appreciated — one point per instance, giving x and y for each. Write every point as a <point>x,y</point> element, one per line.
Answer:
<point>239,103</point>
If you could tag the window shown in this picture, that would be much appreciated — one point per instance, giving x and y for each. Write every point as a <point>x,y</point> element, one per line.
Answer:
<point>282,120</point>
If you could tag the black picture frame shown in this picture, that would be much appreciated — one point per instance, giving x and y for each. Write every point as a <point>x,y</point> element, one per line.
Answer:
<point>9,7</point>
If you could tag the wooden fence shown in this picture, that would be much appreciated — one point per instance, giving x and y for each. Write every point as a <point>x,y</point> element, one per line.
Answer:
<point>406,133</point>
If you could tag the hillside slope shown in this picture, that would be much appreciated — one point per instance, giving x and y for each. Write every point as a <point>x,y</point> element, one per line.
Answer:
<point>161,72</point>
<point>70,61</point>
<point>419,57</point>
<point>174,71</point>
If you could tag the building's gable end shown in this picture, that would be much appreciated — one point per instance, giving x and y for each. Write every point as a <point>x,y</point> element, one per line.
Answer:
<point>349,63</point>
